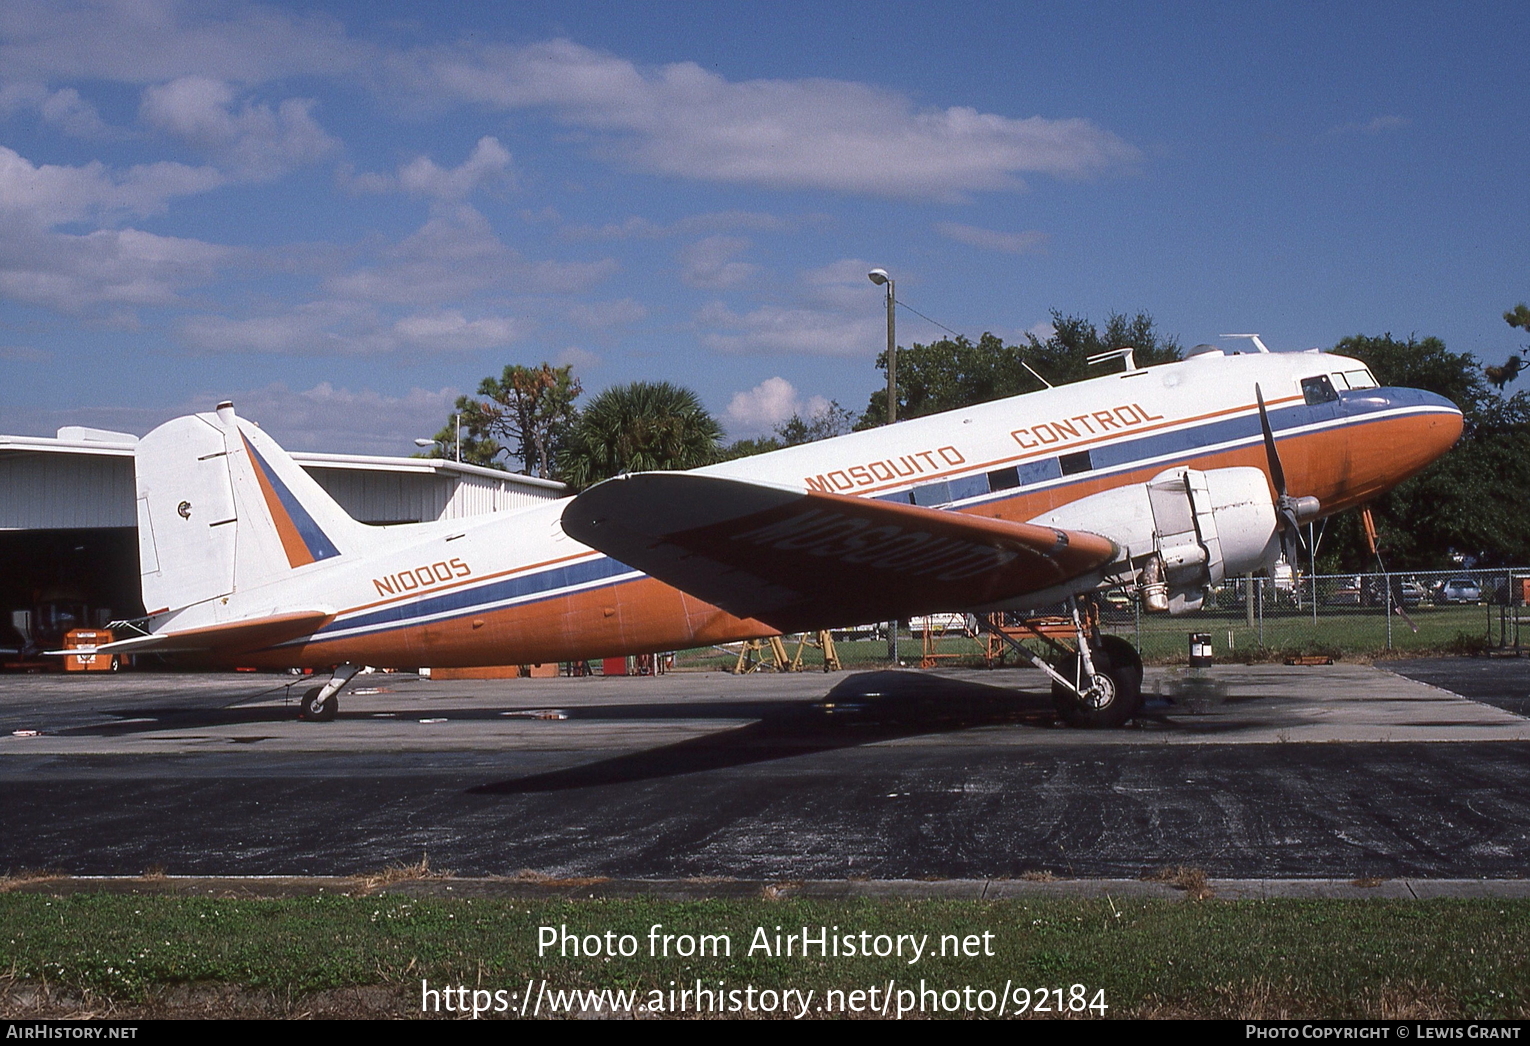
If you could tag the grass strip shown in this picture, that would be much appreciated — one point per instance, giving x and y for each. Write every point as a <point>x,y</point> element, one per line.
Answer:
<point>1270,959</point>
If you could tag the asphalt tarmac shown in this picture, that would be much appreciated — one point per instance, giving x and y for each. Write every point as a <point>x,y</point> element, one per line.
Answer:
<point>1244,772</point>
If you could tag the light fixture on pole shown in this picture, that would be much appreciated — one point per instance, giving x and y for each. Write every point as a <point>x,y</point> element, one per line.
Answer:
<point>422,442</point>
<point>881,279</point>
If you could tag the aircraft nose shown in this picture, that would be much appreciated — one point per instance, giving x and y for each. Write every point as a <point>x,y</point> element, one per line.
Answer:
<point>1424,425</point>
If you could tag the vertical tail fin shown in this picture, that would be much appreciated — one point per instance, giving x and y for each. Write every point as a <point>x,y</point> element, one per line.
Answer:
<point>222,509</point>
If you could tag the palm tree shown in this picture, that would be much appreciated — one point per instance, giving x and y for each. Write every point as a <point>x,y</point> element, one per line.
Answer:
<point>645,426</point>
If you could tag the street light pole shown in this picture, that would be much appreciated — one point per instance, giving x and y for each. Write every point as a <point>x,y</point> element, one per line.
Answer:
<point>880,278</point>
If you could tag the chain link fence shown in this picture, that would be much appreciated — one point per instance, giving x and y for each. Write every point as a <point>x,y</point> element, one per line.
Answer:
<point>1464,611</point>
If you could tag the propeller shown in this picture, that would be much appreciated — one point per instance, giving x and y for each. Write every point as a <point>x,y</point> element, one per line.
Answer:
<point>1368,525</point>
<point>1289,511</point>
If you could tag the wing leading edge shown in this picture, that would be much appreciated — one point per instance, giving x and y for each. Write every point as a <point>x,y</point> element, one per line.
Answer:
<point>800,560</point>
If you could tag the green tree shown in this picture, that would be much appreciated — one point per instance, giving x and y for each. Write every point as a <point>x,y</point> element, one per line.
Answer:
<point>640,427</point>
<point>526,413</point>
<point>1519,316</point>
<point>832,420</point>
<point>478,446</point>
<point>1471,501</point>
<point>1063,357</point>
<point>954,372</point>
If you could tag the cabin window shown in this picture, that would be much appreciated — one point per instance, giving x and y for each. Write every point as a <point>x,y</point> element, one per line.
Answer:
<point>1004,479</point>
<point>1039,471</point>
<point>902,497</point>
<point>969,487</point>
<point>1318,390</point>
<point>1073,464</point>
<point>933,494</point>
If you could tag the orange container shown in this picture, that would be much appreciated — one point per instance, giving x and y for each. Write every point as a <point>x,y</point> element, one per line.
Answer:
<point>81,637</point>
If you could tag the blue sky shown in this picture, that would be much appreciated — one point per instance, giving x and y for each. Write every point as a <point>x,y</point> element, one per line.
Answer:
<point>343,215</point>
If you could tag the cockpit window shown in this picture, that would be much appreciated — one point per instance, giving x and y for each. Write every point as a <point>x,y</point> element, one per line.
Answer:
<point>1318,390</point>
<point>1358,379</point>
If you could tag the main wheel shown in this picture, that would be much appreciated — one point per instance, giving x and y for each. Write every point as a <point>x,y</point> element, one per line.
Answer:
<point>1116,695</point>
<point>315,710</point>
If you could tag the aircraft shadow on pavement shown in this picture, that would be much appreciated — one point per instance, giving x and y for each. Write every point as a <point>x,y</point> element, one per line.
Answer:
<point>862,709</point>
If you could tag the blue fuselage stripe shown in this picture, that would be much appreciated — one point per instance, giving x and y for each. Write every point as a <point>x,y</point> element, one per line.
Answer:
<point>467,599</point>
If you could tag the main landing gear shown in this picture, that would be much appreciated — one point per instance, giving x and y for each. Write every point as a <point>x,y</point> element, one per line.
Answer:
<point>1098,682</point>
<point>321,704</point>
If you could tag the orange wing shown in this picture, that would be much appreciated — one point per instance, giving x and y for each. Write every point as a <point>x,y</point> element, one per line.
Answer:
<point>801,560</point>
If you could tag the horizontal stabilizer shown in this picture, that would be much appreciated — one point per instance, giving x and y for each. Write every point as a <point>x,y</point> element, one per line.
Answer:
<point>232,638</point>
<point>800,560</point>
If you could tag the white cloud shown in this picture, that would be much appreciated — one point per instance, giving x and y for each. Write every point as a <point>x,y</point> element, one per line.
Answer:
<point>343,421</point>
<point>103,269</point>
<point>48,194</point>
<point>681,119</point>
<point>64,108</point>
<point>836,316</point>
<point>456,254</point>
<point>253,140</point>
<point>151,41</point>
<point>311,328</point>
<point>350,328</point>
<point>709,263</point>
<point>603,315</point>
<point>767,405</point>
<point>579,359</point>
<point>322,418</point>
<point>843,285</point>
<point>70,113</point>
<point>993,240</point>
<point>451,331</point>
<point>776,329</point>
<point>488,163</point>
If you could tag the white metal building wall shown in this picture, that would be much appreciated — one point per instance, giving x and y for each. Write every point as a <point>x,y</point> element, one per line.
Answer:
<point>50,491</point>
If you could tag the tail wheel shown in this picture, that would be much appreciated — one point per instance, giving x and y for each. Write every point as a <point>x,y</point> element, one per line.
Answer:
<point>315,710</point>
<point>1116,695</point>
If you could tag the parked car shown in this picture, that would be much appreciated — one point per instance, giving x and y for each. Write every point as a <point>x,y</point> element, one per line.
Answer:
<point>939,624</point>
<point>1458,590</point>
<point>1348,596</point>
<point>848,633</point>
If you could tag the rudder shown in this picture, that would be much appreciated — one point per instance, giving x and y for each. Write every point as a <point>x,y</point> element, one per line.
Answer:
<point>223,509</point>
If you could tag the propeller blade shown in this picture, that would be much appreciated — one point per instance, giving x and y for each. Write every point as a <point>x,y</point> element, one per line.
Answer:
<point>1277,473</point>
<point>1368,523</point>
<point>1285,509</point>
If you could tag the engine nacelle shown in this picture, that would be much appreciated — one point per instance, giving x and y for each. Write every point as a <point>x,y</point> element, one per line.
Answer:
<point>1184,529</point>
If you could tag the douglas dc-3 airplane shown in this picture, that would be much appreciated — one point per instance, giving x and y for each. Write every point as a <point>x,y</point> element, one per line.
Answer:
<point>1165,479</point>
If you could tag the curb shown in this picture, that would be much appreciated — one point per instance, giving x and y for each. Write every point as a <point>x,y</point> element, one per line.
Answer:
<point>540,888</point>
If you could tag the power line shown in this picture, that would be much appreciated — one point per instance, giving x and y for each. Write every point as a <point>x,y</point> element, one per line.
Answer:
<point>922,316</point>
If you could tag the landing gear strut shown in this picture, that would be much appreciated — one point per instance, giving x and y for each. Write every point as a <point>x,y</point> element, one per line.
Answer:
<point>1096,684</point>
<point>1111,697</point>
<point>320,704</point>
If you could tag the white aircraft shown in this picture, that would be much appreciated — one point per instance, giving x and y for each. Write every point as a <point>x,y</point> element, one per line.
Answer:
<point>1165,479</point>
